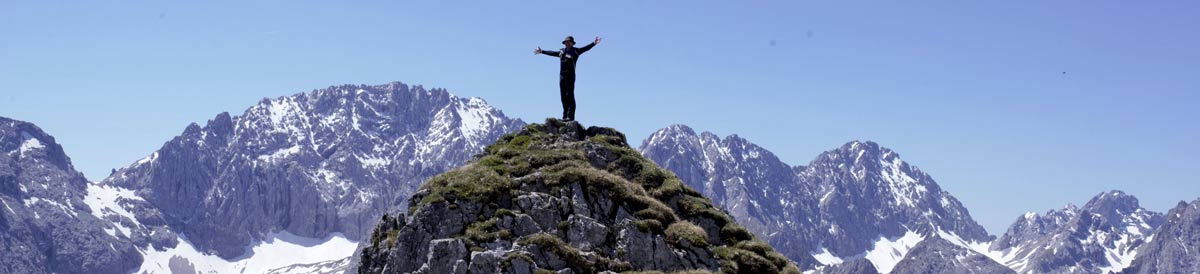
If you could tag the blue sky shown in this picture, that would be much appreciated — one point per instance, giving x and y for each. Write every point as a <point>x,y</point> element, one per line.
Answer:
<point>1012,106</point>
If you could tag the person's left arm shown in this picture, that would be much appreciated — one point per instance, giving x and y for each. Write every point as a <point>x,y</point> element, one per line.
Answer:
<point>589,46</point>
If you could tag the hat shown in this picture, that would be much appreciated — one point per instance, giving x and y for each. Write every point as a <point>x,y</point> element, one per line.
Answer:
<point>569,38</point>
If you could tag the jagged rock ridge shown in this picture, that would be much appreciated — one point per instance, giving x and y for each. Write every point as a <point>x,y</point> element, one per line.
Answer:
<point>1101,237</point>
<point>559,197</point>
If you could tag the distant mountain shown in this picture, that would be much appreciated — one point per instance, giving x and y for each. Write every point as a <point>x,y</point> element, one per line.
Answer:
<point>49,224</point>
<point>1175,247</point>
<point>1101,237</point>
<point>859,200</point>
<point>312,164</point>
<point>559,198</point>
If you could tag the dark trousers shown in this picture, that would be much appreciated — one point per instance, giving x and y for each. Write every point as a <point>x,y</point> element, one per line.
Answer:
<point>566,89</point>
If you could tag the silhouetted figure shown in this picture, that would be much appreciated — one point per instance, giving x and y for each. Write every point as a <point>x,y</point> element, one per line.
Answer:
<point>567,56</point>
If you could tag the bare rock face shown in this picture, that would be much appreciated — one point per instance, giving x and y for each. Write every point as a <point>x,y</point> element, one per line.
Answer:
<point>858,266</point>
<point>558,197</point>
<point>45,224</point>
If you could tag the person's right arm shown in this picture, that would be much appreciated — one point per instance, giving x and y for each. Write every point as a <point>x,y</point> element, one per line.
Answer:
<point>546,52</point>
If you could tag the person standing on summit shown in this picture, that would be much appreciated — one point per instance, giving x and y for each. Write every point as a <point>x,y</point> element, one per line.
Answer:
<point>567,56</point>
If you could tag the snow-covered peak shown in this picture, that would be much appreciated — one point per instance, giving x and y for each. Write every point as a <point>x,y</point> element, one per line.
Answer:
<point>1101,236</point>
<point>832,209</point>
<point>675,135</point>
<point>342,155</point>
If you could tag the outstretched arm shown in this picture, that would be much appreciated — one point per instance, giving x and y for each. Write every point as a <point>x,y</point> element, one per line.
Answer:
<point>589,46</point>
<point>546,52</point>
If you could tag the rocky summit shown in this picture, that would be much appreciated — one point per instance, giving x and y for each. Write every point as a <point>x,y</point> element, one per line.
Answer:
<point>48,223</point>
<point>559,198</point>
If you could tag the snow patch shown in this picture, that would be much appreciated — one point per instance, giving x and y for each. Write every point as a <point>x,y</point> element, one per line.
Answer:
<point>151,158</point>
<point>30,143</point>
<point>473,118</point>
<point>34,200</point>
<point>10,210</point>
<point>826,258</point>
<point>336,266</point>
<point>1030,215</point>
<point>104,200</point>
<point>978,247</point>
<point>904,188</point>
<point>888,252</point>
<point>279,154</point>
<point>373,161</point>
<point>279,250</point>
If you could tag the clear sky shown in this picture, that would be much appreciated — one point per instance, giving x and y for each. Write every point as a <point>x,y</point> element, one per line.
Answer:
<point>1012,106</point>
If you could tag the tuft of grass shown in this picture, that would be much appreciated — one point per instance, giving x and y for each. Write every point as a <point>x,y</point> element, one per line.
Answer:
<point>506,262</point>
<point>472,182</point>
<point>695,206</point>
<point>734,233</point>
<point>607,139</point>
<point>504,212</point>
<point>648,225</point>
<point>686,231</point>
<point>391,236</point>
<point>764,250</point>
<point>485,231</point>
<point>735,260</point>
<point>648,207</point>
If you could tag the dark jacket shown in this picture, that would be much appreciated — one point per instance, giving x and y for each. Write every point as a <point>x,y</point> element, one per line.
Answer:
<point>568,56</point>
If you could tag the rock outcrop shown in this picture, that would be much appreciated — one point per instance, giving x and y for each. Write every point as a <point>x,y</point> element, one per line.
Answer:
<point>557,197</point>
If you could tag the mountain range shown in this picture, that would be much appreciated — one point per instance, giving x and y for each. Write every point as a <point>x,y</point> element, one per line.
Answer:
<point>859,200</point>
<point>297,184</point>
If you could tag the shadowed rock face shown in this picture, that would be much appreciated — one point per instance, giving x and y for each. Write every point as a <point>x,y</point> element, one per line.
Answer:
<point>858,266</point>
<point>1176,244</point>
<point>842,201</point>
<point>330,160</point>
<point>45,225</point>
<point>937,255</point>
<point>558,197</point>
